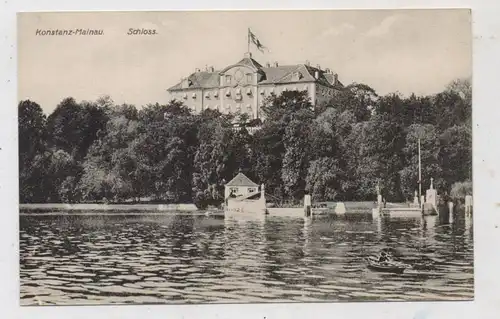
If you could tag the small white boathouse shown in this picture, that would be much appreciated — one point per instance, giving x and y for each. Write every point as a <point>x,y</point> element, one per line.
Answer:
<point>242,195</point>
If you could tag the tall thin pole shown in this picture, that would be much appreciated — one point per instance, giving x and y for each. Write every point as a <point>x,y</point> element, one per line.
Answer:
<point>248,40</point>
<point>419,175</point>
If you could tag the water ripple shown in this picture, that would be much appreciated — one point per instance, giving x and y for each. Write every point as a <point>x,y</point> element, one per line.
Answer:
<point>103,259</point>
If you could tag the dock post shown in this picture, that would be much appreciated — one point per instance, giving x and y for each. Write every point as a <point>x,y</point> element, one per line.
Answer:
<point>340,208</point>
<point>379,200</point>
<point>307,205</point>
<point>450,212</point>
<point>468,205</point>
<point>431,198</point>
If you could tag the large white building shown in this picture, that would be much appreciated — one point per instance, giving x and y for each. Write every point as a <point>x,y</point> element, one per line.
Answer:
<point>243,86</point>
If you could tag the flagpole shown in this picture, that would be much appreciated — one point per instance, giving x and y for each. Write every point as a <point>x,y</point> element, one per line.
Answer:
<point>248,40</point>
<point>419,175</point>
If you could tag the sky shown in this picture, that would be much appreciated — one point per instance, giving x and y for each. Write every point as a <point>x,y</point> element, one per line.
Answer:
<point>406,51</point>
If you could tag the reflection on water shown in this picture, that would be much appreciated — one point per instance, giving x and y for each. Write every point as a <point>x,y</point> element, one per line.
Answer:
<point>195,259</point>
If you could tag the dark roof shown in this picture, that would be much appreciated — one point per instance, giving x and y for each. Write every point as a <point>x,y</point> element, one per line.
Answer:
<point>331,79</point>
<point>275,74</point>
<point>241,180</point>
<point>250,62</point>
<point>202,79</point>
<point>271,75</point>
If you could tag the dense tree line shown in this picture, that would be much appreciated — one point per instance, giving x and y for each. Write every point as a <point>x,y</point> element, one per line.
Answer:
<point>340,150</point>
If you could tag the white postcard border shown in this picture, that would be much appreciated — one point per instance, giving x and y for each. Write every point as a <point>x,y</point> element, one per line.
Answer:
<point>486,160</point>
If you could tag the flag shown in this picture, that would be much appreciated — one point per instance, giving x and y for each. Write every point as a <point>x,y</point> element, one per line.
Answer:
<point>252,38</point>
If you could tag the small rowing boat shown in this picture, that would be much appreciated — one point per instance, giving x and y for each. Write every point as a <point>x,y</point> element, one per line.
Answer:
<point>386,266</point>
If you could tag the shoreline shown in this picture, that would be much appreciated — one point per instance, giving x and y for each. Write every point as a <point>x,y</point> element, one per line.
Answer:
<point>114,207</point>
<point>122,213</point>
<point>154,207</point>
<point>94,209</point>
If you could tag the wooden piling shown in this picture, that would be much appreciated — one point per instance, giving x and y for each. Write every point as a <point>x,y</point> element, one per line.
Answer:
<point>307,205</point>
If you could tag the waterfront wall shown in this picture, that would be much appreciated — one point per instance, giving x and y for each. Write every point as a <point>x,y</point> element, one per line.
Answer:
<point>154,207</point>
<point>247,206</point>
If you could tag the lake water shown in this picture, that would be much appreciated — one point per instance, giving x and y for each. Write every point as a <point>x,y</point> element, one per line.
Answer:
<point>110,259</point>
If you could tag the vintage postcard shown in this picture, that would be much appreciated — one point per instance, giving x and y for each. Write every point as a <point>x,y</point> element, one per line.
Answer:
<point>245,157</point>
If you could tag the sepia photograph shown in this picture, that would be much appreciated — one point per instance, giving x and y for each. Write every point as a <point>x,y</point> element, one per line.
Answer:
<point>201,157</point>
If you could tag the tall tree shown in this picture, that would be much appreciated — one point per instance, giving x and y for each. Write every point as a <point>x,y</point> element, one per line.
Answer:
<point>212,166</point>
<point>73,127</point>
<point>109,169</point>
<point>324,179</point>
<point>430,146</point>
<point>164,151</point>
<point>32,130</point>
<point>373,149</point>
<point>32,134</point>
<point>451,109</point>
<point>357,98</point>
<point>285,136</point>
<point>455,156</point>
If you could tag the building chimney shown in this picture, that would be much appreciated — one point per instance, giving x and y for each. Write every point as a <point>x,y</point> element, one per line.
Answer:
<point>308,63</point>
<point>211,69</point>
<point>318,66</point>
<point>275,64</point>
<point>336,78</point>
<point>268,65</point>
<point>197,70</point>
<point>316,75</point>
<point>327,70</point>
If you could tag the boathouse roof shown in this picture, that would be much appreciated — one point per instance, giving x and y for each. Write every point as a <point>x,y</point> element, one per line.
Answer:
<point>241,180</point>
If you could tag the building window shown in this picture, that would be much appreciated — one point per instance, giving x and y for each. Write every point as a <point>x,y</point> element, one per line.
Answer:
<point>207,95</point>
<point>186,83</point>
<point>228,79</point>
<point>194,95</point>
<point>249,77</point>
<point>296,76</point>
<point>262,92</point>
<point>238,94</point>
<point>249,91</point>
<point>228,93</point>
<point>234,189</point>
<point>216,94</point>
<point>185,96</point>
<point>251,190</point>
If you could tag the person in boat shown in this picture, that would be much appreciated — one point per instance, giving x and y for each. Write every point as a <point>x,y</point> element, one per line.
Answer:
<point>383,257</point>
